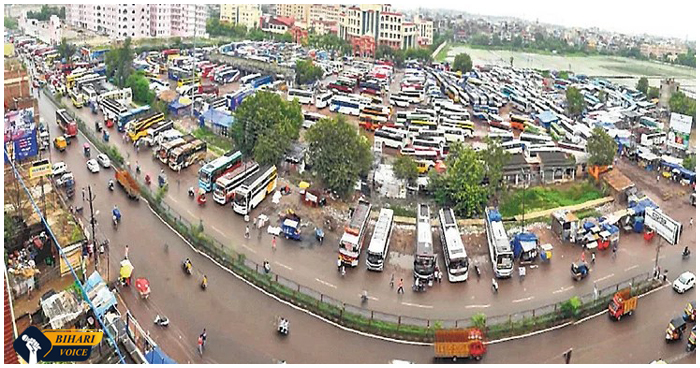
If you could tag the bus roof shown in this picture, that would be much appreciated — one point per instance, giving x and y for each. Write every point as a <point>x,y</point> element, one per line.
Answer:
<point>382,230</point>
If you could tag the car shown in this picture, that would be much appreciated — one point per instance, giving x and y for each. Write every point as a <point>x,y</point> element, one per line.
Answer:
<point>59,168</point>
<point>65,178</point>
<point>103,160</point>
<point>93,166</point>
<point>684,282</point>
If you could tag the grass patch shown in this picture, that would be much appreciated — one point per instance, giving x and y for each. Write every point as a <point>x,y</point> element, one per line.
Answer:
<point>589,212</point>
<point>402,211</point>
<point>443,53</point>
<point>216,143</point>
<point>543,198</point>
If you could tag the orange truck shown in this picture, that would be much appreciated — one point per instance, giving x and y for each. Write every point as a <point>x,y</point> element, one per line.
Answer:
<point>622,303</point>
<point>459,343</point>
<point>131,187</point>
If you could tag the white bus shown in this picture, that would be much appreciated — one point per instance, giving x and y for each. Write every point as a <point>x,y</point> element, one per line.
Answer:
<point>414,96</point>
<point>456,261</point>
<point>499,247</point>
<point>429,145</point>
<point>305,97</point>
<point>112,109</point>
<point>346,105</point>
<point>390,138</point>
<point>254,190</point>
<point>379,244</point>
<point>311,118</point>
<point>454,134</point>
<point>225,186</point>
<point>324,100</point>
<point>419,154</point>
<point>398,100</point>
<point>425,259</point>
<point>249,78</point>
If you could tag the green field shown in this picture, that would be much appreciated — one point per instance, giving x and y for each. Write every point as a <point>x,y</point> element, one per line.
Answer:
<point>544,198</point>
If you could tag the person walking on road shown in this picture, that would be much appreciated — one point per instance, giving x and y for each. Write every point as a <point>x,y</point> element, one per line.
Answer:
<point>614,251</point>
<point>83,194</point>
<point>691,222</point>
<point>391,281</point>
<point>592,258</point>
<point>204,338</point>
<point>200,343</point>
<point>274,242</point>
<point>400,290</point>
<point>126,252</point>
<point>247,232</point>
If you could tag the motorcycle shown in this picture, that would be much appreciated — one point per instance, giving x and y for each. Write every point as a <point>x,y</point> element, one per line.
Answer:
<point>116,217</point>
<point>478,271</point>
<point>203,284</point>
<point>283,326</point>
<point>162,321</point>
<point>187,267</point>
<point>419,286</point>
<point>364,297</point>
<point>190,192</point>
<point>110,186</point>
<point>685,254</point>
<point>148,179</point>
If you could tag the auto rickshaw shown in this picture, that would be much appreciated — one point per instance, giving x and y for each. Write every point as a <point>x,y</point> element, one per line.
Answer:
<point>675,329</point>
<point>579,270</point>
<point>60,143</point>
<point>546,252</point>
<point>86,149</point>
<point>105,136</point>
<point>109,123</point>
<point>689,312</point>
<point>201,197</point>
<point>143,287</point>
<point>691,341</point>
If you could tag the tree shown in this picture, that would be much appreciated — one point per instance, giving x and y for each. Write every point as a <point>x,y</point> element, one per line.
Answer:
<point>689,162</point>
<point>571,307</point>
<point>269,121</point>
<point>405,168</point>
<point>66,50</point>
<point>140,88</point>
<point>10,23</point>
<point>119,63</point>
<point>575,102</point>
<point>653,92</point>
<point>479,320</point>
<point>494,158</point>
<point>563,75</point>
<point>338,154</point>
<point>460,185</point>
<point>46,12</point>
<point>307,72</point>
<point>602,148</point>
<point>463,63</point>
<point>682,104</point>
<point>643,85</point>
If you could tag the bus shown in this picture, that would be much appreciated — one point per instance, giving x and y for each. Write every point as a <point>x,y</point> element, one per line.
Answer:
<point>345,105</point>
<point>311,118</point>
<point>412,95</point>
<point>339,88</point>
<point>213,170</point>
<point>186,81</point>
<point>419,154</point>
<point>429,144</point>
<point>254,190</point>
<point>481,116</point>
<point>185,155</point>
<point>423,124</point>
<point>112,109</point>
<point>456,134</point>
<point>305,97</point>
<point>425,259</point>
<point>535,138</point>
<point>130,115</point>
<point>165,147</point>
<point>463,124</point>
<point>350,244</point>
<point>66,123</point>
<point>381,238</point>
<point>77,73</point>
<point>76,99</point>
<point>175,73</point>
<point>456,261</point>
<point>398,100</point>
<point>323,100</point>
<point>249,78</point>
<point>500,251</point>
<point>389,138</point>
<point>226,185</point>
<point>519,121</point>
<point>137,128</point>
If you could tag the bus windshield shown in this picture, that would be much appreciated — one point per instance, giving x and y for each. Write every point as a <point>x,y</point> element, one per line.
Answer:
<point>204,176</point>
<point>504,261</point>
<point>374,257</point>
<point>239,199</point>
<point>458,266</point>
<point>423,265</point>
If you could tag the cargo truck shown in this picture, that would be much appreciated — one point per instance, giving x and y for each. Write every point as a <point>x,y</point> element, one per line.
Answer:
<point>622,303</point>
<point>461,343</point>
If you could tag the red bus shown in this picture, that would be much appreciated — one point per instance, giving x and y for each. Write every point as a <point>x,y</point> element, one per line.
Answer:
<point>339,88</point>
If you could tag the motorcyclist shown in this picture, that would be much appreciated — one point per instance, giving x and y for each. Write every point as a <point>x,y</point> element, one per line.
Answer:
<point>190,191</point>
<point>686,251</point>
<point>110,184</point>
<point>115,212</point>
<point>364,296</point>
<point>204,281</point>
<point>188,265</point>
<point>138,168</point>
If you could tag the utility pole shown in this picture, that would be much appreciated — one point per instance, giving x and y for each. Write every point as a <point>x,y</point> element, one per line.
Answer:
<point>522,203</point>
<point>91,198</point>
<point>658,250</point>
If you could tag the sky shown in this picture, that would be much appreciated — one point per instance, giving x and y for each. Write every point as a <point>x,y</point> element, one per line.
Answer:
<point>660,18</point>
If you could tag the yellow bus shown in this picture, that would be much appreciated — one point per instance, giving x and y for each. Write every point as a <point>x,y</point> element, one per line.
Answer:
<point>70,79</point>
<point>76,99</point>
<point>464,124</point>
<point>187,81</point>
<point>138,129</point>
<point>431,125</point>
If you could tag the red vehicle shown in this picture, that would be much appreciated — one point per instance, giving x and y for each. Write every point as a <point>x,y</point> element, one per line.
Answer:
<point>66,123</point>
<point>209,88</point>
<point>622,303</point>
<point>339,88</point>
<point>206,69</point>
<point>454,344</point>
<point>171,52</point>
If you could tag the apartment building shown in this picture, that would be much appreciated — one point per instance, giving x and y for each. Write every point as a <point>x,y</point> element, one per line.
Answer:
<point>139,20</point>
<point>241,14</point>
<point>424,29</point>
<point>300,12</point>
<point>325,12</point>
<point>659,50</point>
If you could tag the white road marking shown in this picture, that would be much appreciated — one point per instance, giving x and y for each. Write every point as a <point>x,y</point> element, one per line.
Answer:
<point>477,306</point>
<point>327,283</point>
<point>605,277</point>
<point>660,257</point>
<point>417,305</point>
<point>218,231</point>
<point>631,268</point>
<point>250,249</point>
<point>173,199</point>
<point>523,299</point>
<point>282,265</point>
<point>563,289</point>
<point>191,214</point>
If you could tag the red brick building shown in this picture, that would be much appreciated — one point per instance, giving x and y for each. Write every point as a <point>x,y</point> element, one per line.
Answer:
<point>299,35</point>
<point>364,46</point>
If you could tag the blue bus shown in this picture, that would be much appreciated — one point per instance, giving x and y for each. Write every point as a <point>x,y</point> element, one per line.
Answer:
<point>218,167</point>
<point>131,115</point>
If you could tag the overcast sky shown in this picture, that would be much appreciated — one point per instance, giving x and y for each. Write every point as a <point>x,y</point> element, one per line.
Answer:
<point>663,18</point>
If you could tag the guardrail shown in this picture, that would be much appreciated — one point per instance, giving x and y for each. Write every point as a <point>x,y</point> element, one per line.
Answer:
<point>368,320</point>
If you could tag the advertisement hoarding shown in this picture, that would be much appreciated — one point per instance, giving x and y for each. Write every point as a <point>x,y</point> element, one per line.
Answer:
<point>664,226</point>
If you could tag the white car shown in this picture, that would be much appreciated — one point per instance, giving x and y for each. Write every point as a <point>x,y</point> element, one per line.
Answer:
<point>65,178</point>
<point>103,160</point>
<point>59,168</point>
<point>93,166</point>
<point>684,282</point>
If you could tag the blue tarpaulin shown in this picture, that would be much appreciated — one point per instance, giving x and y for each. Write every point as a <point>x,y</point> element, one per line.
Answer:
<point>494,215</point>
<point>684,173</point>
<point>546,118</point>
<point>157,356</point>
<point>643,204</point>
<point>216,118</point>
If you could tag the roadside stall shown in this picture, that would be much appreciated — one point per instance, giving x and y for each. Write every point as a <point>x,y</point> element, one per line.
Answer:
<point>565,225</point>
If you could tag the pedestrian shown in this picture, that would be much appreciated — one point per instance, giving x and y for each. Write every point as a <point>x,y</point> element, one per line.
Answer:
<point>126,252</point>
<point>200,341</point>
<point>247,232</point>
<point>583,256</point>
<point>399,290</point>
<point>665,275</point>
<point>657,178</point>
<point>494,285</point>
<point>83,194</point>
<point>592,258</point>
<point>595,290</point>
<point>691,222</point>
<point>266,266</point>
<point>204,338</point>
<point>614,251</point>
<point>274,242</point>
<point>435,274</point>
<point>391,281</point>
<point>439,277</point>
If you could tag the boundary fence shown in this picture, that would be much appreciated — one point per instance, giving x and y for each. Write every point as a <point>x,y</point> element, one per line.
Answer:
<point>367,320</point>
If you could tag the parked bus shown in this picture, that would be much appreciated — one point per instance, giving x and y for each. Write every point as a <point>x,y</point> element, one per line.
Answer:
<point>66,123</point>
<point>425,259</point>
<point>323,100</point>
<point>305,97</point>
<point>226,185</point>
<point>183,156</point>
<point>345,105</point>
<point>500,251</point>
<point>381,238</point>
<point>76,99</point>
<point>131,115</point>
<point>137,128</point>
<point>165,148</point>
<point>186,81</point>
<point>228,76</point>
<point>339,88</point>
<point>154,131</point>
<point>398,100</point>
<point>254,190</point>
<point>535,138</point>
<point>351,242</point>
<point>249,78</point>
<point>429,144</point>
<point>412,95</point>
<point>456,261</point>
<point>390,138</point>
<point>112,109</point>
<point>311,118</point>
<point>209,173</point>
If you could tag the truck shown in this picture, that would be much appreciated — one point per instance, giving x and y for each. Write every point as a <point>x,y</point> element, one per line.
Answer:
<point>622,303</point>
<point>291,228</point>
<point>459,343</point>
<point>351,241</point>
<point>66,123</point>
<point>125,181</point>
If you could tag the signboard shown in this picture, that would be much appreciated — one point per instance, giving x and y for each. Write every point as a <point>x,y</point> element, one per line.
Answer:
<point>678,140</point>
<point>74,254</point>
<point>681,123</point>
<point>20,135</point>
<point>40,169</point>
<point>665,226</point>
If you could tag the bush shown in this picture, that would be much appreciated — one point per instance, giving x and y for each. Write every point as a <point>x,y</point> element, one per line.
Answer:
<point>479,320</point>
<point>571,307</point>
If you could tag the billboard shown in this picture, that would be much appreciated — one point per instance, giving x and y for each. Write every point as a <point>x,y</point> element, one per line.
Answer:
<point>40,168</point>
<point>20,135</point>
<point>665,226</point>
<point>681,123</point>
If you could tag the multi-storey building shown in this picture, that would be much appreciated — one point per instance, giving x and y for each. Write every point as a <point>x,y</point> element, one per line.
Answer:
<point>659,50</point>
<point>139,20</point>
<point>324,12</point>
<point>424,27</point>
<point>300,12</point>
<point>241,14</point>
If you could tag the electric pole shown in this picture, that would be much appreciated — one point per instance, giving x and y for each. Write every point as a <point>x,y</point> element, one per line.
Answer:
<point>522,204</point>
<point>91,198</point>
